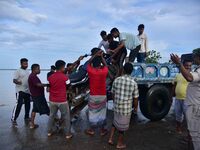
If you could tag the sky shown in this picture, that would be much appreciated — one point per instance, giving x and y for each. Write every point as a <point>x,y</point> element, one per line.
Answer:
<point>47,30</point>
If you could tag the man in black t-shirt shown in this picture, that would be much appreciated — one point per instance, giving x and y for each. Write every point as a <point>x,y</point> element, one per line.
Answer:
<point>53,69</point>
<point>120,55</point>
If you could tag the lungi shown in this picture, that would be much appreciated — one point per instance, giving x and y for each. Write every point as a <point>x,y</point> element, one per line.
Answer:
<point>121,122</point>
<point>97,110</point>
<point>193,123</point>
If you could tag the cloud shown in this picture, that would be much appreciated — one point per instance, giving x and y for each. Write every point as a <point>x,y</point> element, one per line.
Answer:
<point>11,35</point>
<point>10,9</point>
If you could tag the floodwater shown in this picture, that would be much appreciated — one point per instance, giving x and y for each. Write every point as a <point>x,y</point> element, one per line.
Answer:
<point>142,135</point>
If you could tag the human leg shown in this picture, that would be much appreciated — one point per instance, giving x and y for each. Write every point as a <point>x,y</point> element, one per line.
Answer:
<point>27,104</point>
<point>120,143</point>
<point>141,57</point>
<point>179,114</point>
<point>53,111</point>
<point>133,55</point>
<point>112,132</point>
<point>65,116</point>
<point>18,107</point>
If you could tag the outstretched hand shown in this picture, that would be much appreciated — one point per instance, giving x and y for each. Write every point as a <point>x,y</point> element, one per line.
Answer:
<point>81,58</point>
<point>175,59</point>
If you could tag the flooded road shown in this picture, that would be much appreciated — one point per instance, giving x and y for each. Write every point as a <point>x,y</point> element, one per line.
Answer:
<point>142,135</point>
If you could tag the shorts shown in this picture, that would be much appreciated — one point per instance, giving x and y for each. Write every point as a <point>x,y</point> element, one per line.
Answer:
<point>40,105</point>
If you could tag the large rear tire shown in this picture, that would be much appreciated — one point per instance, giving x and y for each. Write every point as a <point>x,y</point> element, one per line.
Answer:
<point>157,102</point>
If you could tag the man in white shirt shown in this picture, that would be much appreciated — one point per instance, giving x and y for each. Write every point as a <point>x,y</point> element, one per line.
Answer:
<point>20,79</point>
<point>127,40</point>
<point>104,41</point>
<point>144,44</point>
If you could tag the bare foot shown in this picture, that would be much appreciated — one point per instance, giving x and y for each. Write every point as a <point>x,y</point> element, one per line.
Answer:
<point>103,132</point>
<point>89,132</point>
<point>123,146</point>
<point>110,142</point>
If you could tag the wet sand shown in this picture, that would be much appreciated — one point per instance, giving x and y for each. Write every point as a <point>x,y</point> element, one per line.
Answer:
<point>142,135</point>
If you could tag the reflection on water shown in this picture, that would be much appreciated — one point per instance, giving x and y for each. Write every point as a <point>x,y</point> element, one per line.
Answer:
<point>7,88</point>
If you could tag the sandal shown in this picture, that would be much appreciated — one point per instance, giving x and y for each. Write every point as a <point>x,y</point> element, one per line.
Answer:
<point>89,132</point>
<point>121,146</point>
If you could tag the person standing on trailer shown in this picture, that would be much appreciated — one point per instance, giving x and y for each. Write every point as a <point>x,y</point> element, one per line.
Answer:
<point>144,44</point>
<point>128,41</point>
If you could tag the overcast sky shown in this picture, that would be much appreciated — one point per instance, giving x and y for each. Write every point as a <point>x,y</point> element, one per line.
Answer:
<point>47,30</point>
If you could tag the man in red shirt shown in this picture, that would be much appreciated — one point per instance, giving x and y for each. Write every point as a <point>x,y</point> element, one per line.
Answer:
<point>97,72</point>
<point>37,94</point>
<point>58,98</point>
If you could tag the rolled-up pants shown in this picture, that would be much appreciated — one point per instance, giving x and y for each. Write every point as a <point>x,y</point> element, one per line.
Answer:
<point>193,123</point>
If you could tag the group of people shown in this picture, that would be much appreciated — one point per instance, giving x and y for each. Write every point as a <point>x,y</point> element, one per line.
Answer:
<point>138,45</point>
<point>187,93</point>
<point>124,89</point>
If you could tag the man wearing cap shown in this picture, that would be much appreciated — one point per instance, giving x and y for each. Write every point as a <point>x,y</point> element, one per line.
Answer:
<point>192,97</point>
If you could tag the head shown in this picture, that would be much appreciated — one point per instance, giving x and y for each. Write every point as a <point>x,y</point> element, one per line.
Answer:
<point>60,66</point>
<point>196,56</point>
<point>115,32</point>
<point>94,50</point>
<point>24,63</point>
<point>53,68</point>
<point>128,68</point>
<point>35,68</point>
<point>110,38</point>
<point>141,28</point>
<point>187,64</point>
<point>103,35</point>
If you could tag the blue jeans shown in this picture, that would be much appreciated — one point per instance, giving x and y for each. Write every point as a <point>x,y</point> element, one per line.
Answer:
<point>141,57</point>
<point>180,109</point>
<point>65,116</point>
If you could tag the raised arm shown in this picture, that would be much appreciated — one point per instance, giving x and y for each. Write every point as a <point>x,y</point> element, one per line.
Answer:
<point>187,75</point>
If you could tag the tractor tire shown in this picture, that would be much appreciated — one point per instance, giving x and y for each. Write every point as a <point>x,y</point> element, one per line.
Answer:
<point>157,103</point>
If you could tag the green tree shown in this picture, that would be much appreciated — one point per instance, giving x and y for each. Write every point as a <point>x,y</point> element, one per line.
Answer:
<point>153,57</point>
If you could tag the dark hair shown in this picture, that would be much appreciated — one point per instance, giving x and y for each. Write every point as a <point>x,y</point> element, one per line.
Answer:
<point>186,60</point>
<point>34,66</point>
<point>141,26</point>
<point>103,33</point>
<point>23,60</point>
<point>53,67</point>
<point>96,62</point>
<point>69,64</point>
<point>94,50</point>
<point>59,64</point>
<point>114,30</point>
<point>128,68</point>
<point>109,36</point>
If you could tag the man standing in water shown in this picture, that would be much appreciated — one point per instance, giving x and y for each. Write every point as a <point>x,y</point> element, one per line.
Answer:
<point>22,91</point>
<point>192,97</point>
